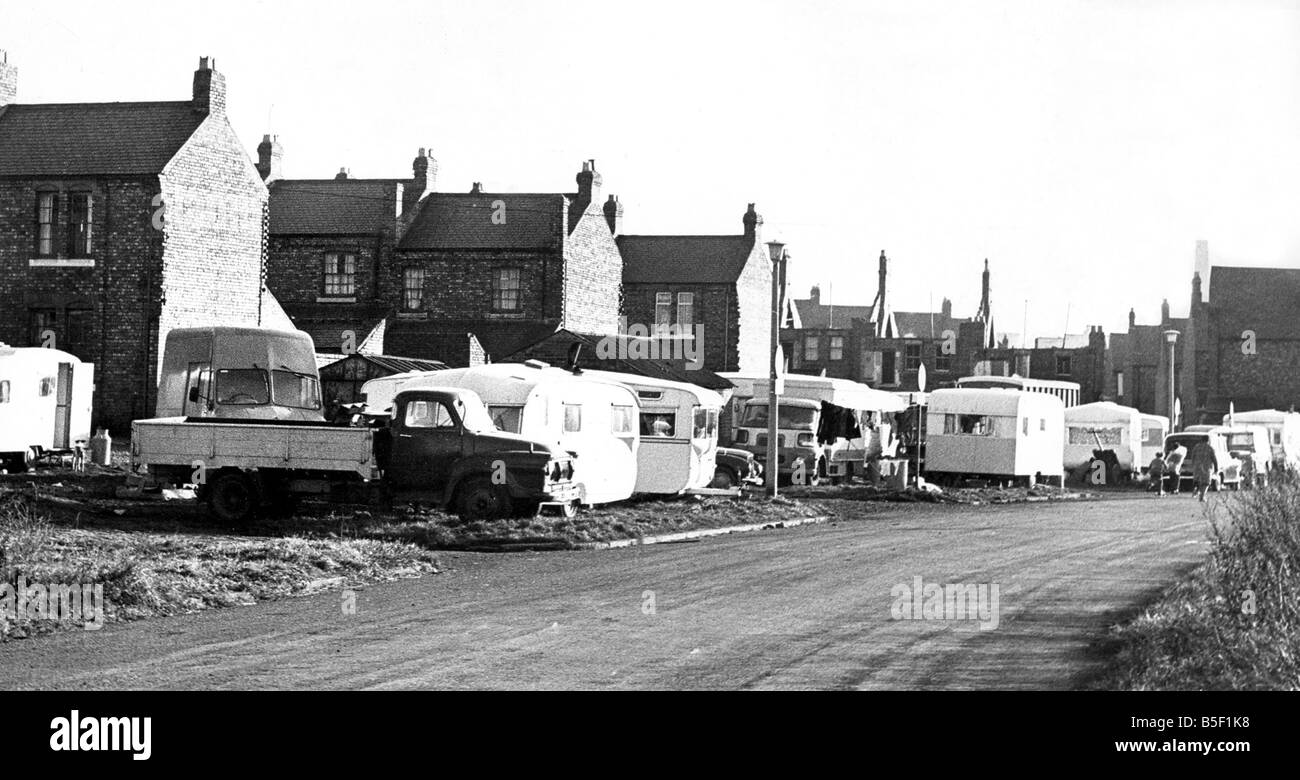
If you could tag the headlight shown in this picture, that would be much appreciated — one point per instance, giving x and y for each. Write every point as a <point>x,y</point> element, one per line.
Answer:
<point>742,436</point>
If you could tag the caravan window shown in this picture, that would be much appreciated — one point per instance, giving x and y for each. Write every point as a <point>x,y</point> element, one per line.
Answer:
<point>706,423</point>
<point>620,419</point>
<point>242,387</point>
<point>1111,437</point>
<point>1152,437</point>
<point>507,418</point>
<point>47,386</point>
<point>297,390</point>
<point>572,418</point>
<point>787,416</point>
<point>4,391</point>
<point>967,425</point>
<point>658,424</point>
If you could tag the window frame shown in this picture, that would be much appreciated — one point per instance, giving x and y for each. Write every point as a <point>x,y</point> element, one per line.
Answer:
<point>342,281</point>
<point>412,295</point>
<point>812,355</point>
<point>1069,365</point>
<point>686,302</point>
<point>47,225</point>
<point>663,309</point>
<point>913,362</point>
<point>501,290</point>
<point>835,349</point>
<point>79,236</point>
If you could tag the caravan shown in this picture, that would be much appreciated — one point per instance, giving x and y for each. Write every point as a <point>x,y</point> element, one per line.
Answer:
<point>1154,430</point>
<point>1003,434</point>
<point>679,432</point>
<point>45,403</point>
<point>1103,426</point>
<point>593,419</point>
<point>1283,430</point>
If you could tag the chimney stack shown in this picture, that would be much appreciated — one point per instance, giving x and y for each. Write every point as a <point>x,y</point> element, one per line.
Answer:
<point>753,223</point>
<point>8,80</point>
<point>588,184</point>
<point>269,157</point>
<point>815,295</point>
<point>477,189</point>
<point>946,308</point>
<point>1132,319</point>
<point>209,88</point>
<point>614,215</point>
<point>1164,312</point>
<point>343,173</point>
<point>1203,267</point>
<point>425,169</point>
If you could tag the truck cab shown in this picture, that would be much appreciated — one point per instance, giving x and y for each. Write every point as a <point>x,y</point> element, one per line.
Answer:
<point>797,421</point>
<point>441,442</point>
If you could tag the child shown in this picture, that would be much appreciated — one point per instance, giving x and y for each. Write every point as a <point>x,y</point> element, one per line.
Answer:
<point>1156,471</point>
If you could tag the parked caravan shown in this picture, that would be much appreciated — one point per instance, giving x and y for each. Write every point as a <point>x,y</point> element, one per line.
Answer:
<point>831,426</point>
<point>45,403</point>
<point>1283,430</point>
<point>239,373</point>
<point>1154,430</point>
<point>1002,434</point>
<point>593,419</point>
<point>1103,426</point>
<point>1068,392</point>
<point>679,432</point>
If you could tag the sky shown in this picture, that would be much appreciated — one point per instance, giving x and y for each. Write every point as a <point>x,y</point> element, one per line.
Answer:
<point>1081,147</point>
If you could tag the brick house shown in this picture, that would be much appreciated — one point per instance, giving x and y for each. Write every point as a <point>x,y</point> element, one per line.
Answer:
<point>1080,358</point>
<point>1137,364</point>
<point>122,221</point>
<point>459,277</point>
<point>722,283</point>
<point>824,338</point>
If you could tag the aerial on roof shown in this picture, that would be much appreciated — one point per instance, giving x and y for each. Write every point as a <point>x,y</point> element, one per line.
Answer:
<point>1263,300</point>
<point>335,207</point>
<point>92,139</point>
<point>684,259</point>
<point>488,221</point>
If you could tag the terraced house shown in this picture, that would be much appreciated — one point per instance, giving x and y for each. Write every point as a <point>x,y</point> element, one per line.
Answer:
<point>458,277</point>
<point>122,221</point>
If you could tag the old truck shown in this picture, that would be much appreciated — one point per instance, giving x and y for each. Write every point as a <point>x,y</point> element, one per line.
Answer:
<point>438,445</point>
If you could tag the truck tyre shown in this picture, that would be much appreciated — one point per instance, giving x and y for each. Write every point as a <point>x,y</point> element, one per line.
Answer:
<point>723,478</point>
<point>232,498</point>
<point>479,499</point>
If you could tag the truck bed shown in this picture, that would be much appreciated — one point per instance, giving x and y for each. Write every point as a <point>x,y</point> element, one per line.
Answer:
<point>174,441</point>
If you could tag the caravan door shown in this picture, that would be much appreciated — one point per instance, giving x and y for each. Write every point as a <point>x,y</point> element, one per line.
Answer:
<point>63,408</point>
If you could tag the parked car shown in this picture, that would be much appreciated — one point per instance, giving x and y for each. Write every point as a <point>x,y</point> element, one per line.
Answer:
<point>735,467</point>
<point>1229,467</point>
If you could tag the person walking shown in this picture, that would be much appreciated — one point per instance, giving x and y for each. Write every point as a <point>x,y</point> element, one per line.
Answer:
<point>1174,458</point>
<point>1205,465</point>
<point>1156,474</point>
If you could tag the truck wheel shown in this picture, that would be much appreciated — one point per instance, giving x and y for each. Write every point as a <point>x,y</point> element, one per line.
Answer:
<point>232,497</point>
<point>723,478</point>
<point>479,499</point>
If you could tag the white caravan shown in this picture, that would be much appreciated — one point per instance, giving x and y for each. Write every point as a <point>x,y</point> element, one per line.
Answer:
<point>1154,430</point>
<point>45,403</point>
<point>1283,432</point>
<point>679,432</point>
<point>593,419</point>
<point>1103,426</point>
<point>1003,434</point>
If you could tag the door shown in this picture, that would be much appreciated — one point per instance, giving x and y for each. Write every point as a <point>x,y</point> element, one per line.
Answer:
<point>426,444</point>
<point>63,408</point>
<point>198,391</point>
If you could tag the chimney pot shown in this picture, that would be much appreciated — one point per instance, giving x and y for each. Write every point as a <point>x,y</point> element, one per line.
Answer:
<point>209,88</point>
<point>614,215</point>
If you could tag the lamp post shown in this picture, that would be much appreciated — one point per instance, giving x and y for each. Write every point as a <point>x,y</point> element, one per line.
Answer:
<point>776,250</point>
<point>1171,338</point>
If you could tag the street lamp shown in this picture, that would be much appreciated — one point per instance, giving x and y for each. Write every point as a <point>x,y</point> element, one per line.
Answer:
<point>1171,338</point>
<point>776,250</point>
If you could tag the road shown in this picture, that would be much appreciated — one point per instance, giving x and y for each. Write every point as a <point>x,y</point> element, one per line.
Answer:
<point>798,608</point>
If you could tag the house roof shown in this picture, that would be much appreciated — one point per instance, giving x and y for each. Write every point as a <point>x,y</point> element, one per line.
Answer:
<point>391,363</point>
<point>553,348</point>
<point>684,259</point>
<point>92,139</point>
<point>924,324</point>
<point>336,207</point>
<point>449,340</point>
<point>821,315</point>
<point>1264,300</point>
<point>475,221</point>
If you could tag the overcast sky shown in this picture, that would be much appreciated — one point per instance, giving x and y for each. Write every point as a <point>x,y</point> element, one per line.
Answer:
<point>1082,147</point>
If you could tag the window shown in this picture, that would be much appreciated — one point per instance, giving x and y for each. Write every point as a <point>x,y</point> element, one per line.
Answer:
<point>1063,365</point>
<point>967,425</point>
<point>1096,437</point>
<point>1024,427</point>
<point>299,391</point>
<point>942,361</point>
<point>47,387</point>
<point>506,418</point>
<point>340,274</point>
<point>44,325</point>
<point>663,309</point>
<point>705,423</point>
<point>80,224</point>
<point>658,424</point>
<point>428,414</point>
<point>685,309</point>
<point>413,288</point>
<point>4,391</point>
<point>1119,383</point>
<point>242,387</point>
<point>505,289</point>
<point>621,419</point>
<point>572,418</point>
<point>837,347</point>
<point>810,344</point>
<point>889,367</point>
<point>47,212</point>
<point>911,357</point>
<point>78,327</point>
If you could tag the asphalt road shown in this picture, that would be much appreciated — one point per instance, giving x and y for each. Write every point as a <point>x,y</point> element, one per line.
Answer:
<point>802,608</point>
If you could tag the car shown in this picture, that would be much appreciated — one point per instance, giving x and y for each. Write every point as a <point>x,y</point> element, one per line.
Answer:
<point>1230,471</point>
<point>735,467</point>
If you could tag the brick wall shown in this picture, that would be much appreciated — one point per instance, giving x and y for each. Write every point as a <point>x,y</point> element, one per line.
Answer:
<point>752,302</point>
<point>458,284</point>
<point>714,309</point>
<point>1265,380</point>
<point>593,275</point>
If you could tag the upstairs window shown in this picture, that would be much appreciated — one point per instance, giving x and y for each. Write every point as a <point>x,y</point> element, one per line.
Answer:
<point>837,347</point>
<point>942,361</point>
<point>663,309</point>
<point>911,357</point>
<point>413,288</point>
<point>810,345</point>
<point>340,274</point>
<point>47,212</point>
<point>685,309</point>
<point>1063,365</point>
<point>506,289</point>
<point>80,224</point>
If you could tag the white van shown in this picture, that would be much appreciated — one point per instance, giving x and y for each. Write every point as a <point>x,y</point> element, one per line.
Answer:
<point>1003,434</point>
<point>593,419</point>
<point>1103,426</point>
<point>1283,430</point>
<point>45,403</point>
<point>679,432</point>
